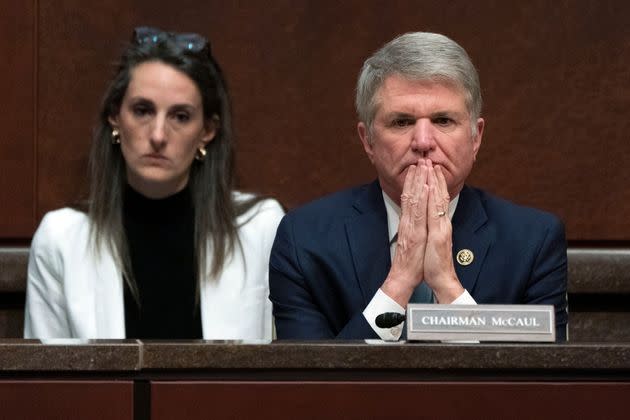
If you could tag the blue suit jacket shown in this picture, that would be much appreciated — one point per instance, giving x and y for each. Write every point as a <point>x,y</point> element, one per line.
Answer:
<point>330,257</point>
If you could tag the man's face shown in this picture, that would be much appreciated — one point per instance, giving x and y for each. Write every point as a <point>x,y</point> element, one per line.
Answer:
<point>420,119</point>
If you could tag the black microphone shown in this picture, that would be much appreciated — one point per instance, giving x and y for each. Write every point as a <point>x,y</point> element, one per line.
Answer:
<point>389,319</point>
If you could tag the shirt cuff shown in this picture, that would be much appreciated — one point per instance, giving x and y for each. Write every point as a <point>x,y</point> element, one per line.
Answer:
<point>464,299</point>
<point>380,304</point>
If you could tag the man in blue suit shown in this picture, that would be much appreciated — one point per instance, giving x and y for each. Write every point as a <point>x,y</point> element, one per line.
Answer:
<point>417,233</point>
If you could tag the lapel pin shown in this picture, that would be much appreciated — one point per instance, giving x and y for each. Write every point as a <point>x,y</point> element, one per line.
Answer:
<point>465,257</point>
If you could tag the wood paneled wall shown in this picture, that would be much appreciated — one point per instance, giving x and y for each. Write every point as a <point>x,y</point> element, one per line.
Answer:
<point>554,76</point>
<point>17,119</point>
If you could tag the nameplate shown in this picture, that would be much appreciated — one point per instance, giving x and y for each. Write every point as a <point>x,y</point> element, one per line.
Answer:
<point>534,323</point>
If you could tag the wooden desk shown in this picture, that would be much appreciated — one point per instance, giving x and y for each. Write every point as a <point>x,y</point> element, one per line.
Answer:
<point>285,380</point>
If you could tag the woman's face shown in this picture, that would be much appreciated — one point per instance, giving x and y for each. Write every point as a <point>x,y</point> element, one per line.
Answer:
<point>161,125</point>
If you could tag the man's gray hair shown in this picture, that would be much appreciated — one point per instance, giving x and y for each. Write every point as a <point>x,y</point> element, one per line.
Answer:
<point>418,56</point>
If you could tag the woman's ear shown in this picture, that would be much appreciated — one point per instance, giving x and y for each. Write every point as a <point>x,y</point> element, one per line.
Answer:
<point>211,128</point>
<point>113,121</point>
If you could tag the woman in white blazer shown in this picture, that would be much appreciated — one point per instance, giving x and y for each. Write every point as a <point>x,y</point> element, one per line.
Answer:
<point>164,247</point>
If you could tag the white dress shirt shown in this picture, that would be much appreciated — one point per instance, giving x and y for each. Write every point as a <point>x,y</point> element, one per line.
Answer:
<point>381,302</point>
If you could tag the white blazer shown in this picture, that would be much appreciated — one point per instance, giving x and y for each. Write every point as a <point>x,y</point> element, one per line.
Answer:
<point>73,293</point>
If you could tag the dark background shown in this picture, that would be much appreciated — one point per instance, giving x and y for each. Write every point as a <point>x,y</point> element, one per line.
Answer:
<point>554,77</point>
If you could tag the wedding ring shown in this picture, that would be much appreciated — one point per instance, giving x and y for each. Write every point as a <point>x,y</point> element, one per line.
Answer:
<point>441,213</point>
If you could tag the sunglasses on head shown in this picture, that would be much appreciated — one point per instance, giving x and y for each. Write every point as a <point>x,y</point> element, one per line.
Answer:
<point>189,41</point>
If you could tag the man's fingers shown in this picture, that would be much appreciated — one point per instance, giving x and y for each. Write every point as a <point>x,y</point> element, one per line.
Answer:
<point>443,186</point>
<point>419,194</point>
<point>437,208</point>
<point>424,203</point>
<point>407,192</point>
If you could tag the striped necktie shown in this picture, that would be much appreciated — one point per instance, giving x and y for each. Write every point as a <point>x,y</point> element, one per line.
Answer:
<point>421,294</point>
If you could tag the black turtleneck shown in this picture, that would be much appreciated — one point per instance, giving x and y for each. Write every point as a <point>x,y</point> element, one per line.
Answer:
<point>160,236</point>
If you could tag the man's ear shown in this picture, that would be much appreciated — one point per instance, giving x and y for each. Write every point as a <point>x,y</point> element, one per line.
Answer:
<point>364,135</point>
<point>477,138</point>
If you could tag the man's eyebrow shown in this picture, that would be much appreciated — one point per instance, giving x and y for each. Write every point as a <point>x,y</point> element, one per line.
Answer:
<point>447,113</point>
<point>398,114</point>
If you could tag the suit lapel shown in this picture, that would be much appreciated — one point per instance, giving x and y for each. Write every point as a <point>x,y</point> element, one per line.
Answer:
<point>369,245</point>
<point>93,288</point>
<point>368,239</point>
<point>109,308</point>
<point>470,231</point>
